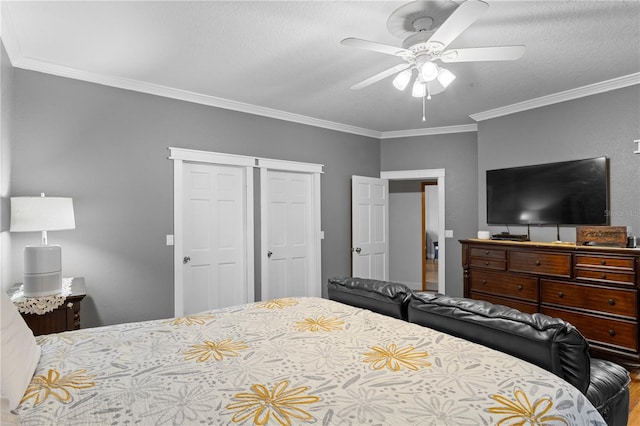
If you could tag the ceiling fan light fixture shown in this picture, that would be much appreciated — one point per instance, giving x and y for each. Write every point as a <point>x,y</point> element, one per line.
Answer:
<point>401,80</point>
<point>429,71</point>
<point>419,89</point>
<point>445,77</point>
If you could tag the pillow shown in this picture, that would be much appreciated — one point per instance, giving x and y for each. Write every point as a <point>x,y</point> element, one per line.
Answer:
<point>19,353</point>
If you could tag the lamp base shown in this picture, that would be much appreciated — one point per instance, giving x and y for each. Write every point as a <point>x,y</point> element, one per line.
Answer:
<point>42,270</point>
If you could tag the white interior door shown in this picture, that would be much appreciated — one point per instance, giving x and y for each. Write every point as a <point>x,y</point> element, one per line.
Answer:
<point>288,244</point>
<point>214,263</point>
<point>370,227</point>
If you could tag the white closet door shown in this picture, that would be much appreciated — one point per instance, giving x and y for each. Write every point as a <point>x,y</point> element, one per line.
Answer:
<point>288,264</point>
<point>214,271</point>
<point>370,227</point>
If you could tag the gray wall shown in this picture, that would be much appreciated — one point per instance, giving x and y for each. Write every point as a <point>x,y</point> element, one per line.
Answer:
<point>6,113</point>
<point>457,154</point>
<point>599,125</point>
<point>405,233</point>
<point>107,148</point>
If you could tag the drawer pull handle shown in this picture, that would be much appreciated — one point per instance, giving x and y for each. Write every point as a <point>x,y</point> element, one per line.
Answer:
<point>486,263</point>
<point>603,276</point>
<point>484,281</point>
<point>603,262</point>
<point>560,294</point>
<point>612,333</point>
<point>537,263</point>
<point>519,286</point>
<point>612,302</point>
<point>486,252</point>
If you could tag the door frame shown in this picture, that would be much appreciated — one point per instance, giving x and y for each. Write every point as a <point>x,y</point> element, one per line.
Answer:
<point>179,155</point>
<point>437,174</point>
<point>314,288</point>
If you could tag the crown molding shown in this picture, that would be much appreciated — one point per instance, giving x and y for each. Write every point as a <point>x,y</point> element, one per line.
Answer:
<point>19,61</point>
<point>429,131</point>
<point>567,95</point>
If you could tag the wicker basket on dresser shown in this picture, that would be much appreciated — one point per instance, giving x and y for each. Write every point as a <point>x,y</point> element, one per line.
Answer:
<point>593,288</point>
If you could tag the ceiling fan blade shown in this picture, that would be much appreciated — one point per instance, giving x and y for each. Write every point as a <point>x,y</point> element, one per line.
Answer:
<point>382,75</point>
<point>475,54</point>
<point>465,15</point>
<point>376,47</point>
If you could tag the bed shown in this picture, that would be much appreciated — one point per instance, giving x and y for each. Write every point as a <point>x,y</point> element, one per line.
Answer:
<point>288,361</point>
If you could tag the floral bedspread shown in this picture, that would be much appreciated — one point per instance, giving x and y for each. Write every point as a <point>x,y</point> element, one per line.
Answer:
<point>289,361</point>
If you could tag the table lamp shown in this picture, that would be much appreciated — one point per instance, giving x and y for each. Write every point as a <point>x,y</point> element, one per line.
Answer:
<point>42,263</point>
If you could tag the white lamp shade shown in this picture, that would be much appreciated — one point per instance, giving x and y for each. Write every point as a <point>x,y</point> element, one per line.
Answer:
<point>29,214</point>
<point>402,80</point>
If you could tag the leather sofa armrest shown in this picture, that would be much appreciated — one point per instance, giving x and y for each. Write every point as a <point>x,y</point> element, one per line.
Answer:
<point>383,297</point>
<point>609,391</point>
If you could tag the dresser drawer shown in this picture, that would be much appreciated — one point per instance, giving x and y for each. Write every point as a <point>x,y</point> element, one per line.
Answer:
<point>554,264</point>
<point>479,262</point>
<point>529,308</point>
<point>605,277</point>
<point>605,262</point>
<point>620,333</point>
<point>588,297</point>
<point>488,252</point>
<point>505,285</point>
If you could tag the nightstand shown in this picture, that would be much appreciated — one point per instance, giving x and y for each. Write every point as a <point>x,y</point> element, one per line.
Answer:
<point>64,318</point>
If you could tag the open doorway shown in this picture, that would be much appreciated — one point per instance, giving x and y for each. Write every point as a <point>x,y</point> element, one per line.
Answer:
<point>431,237</point>
<point>405,249</point>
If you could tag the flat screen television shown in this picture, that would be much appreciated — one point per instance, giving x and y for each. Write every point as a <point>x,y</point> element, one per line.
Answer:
<point>565,193</point>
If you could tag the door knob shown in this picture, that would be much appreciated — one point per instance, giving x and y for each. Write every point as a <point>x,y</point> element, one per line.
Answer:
<point>186,260</point>
<point>269,253</point>
<point>358,250</point>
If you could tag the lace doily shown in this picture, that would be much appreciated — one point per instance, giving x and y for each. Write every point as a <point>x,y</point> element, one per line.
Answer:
<point>44,304</point>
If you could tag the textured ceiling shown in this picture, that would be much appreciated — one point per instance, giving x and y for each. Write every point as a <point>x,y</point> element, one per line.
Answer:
<point>286,56</point>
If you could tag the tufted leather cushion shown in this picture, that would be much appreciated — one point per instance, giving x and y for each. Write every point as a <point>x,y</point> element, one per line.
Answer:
<point>383,297</point>
<point>550,343</point>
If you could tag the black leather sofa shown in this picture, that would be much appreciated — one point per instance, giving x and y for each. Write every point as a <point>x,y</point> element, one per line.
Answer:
<point>550,343</point>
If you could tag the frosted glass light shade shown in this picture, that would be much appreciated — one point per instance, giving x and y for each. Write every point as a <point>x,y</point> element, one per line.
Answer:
<point>445,77</point>
<point>402,80</point>
<point>419,89</point>
<point>429,71</point>
<point>30,214</point>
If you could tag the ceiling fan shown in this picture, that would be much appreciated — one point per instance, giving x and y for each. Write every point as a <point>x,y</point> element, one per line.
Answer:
<point>427,28</point>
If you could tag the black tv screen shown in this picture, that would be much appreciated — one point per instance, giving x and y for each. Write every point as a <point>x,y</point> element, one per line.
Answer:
<point>565,193</point>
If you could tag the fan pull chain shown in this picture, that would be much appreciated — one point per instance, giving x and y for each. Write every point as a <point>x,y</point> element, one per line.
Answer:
<point>424,106</point>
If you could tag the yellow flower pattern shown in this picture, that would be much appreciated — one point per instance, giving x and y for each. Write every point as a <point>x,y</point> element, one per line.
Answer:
<point>277,303</point>
<point>319,324</point>
<point>216,350</point>
<point>279,403</point>
<point>196,319</point>
<point>395,358</point>
<point>520,411</point>
<point>54,384</point>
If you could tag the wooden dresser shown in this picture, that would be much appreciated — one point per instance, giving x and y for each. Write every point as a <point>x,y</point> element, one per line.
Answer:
<point>593,288</point>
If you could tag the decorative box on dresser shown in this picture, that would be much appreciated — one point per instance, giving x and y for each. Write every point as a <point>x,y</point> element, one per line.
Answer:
<point>593,288</point>
<point>64,318</point>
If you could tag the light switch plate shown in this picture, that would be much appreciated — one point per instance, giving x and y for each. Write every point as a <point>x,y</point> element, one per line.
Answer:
<point>169,240</point>
<point>448,233</point>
